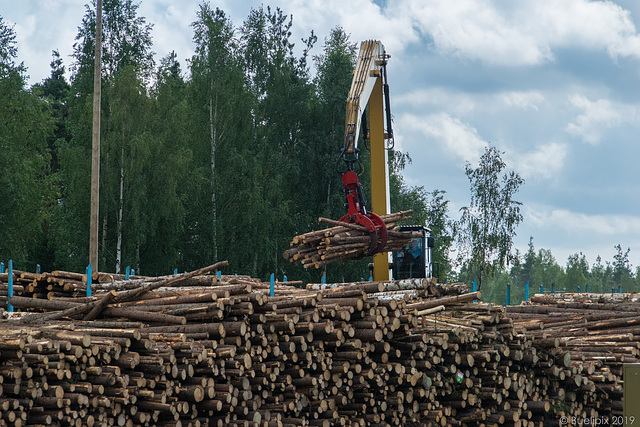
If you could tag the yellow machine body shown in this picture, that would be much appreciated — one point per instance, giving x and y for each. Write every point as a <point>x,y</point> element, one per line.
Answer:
<point>367,89</point>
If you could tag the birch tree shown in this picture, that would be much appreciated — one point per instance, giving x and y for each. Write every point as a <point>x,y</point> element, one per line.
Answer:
<point>126,51</point>
<point>488,225</point>
<point>213,68</point>
<point>221,115</point>
<point>284,96</point>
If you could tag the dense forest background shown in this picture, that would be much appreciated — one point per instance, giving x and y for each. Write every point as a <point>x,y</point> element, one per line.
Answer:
<point>225,157</point>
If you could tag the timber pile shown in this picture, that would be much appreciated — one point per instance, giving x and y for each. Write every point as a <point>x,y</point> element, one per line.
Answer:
<point>344,241</point>
<point>598,332</point>
<point>46,285</point>
<point>195,349</point>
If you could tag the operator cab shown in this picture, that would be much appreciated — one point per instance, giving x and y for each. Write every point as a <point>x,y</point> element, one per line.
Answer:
<point>414,260</point>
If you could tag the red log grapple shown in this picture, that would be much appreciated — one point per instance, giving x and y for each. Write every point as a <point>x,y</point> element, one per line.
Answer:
<point>357,213</point>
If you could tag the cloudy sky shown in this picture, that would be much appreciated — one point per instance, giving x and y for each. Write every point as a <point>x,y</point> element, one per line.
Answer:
<point>554,84</point>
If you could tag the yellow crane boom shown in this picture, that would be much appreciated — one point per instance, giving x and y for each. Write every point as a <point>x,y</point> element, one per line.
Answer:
<point>369,88</point>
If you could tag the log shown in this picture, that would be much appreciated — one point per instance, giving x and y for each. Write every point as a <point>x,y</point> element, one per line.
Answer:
<point>343,241</point>
<point>100,305</point>
<point>423,305</point>
<point>129,313</point>
<point>135,293</point>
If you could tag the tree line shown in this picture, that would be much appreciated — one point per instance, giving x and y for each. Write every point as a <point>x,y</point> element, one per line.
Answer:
<point>228,159</point>
<point>541,271</point>
<point>225,157</point>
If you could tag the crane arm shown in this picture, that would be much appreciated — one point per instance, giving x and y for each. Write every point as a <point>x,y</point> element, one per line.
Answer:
<point>368,87</point>
<point>370,67</point>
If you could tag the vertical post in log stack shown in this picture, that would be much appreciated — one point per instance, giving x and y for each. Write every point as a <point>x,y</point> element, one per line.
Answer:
<point>10,287</point>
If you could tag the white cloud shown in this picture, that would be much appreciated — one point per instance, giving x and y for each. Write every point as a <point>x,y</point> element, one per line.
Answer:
<point>583,224</point>
<point>524,100</point>
<point>589,24</point>
<point>473,29</point>
<point>459,139</point>
<point>566,232</point>
<point>171,27</point>
<point>524,32</point>
<point>362,19</point>
<point>545,162</point>
<point>598,116</point>
<point>458,103</point>
<point>42,26</point>
<point>461,103</point>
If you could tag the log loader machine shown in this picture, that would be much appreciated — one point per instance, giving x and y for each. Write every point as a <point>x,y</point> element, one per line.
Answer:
<point>369,87</point>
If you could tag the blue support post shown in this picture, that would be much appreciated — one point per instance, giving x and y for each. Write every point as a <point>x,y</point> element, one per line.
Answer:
<point>324,279</point>
<point>273,280</point>
<point>38,269</point>
<point>553,287</point>
<point>619,289</point>
<point>10,286</point>
<point>1,267</point>
<point>542,289</point>
<point>175,271</point>
<point>526,291</point>
<point>474,288</point>
<point>578,288</point>
<point>133,272</point>
<point>126,275</point>
<point>587,288</point>
<point>284,278</point>
<point>89,279</point>
<point>508,293</point>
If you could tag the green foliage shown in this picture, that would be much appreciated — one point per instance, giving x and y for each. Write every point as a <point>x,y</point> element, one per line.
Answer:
<point>402,196</point>
<point>488,224</point>
<point>442,231</point>
<point>622,273</point>
<point>8,51</point>
<point>168,174</point>
<point>429,209</point>
<point>220,111</point>
<point>228,160</point>
<point>576,272</point>
<point>54,92</point>
<point>126,65</point>
<point>27,186</point>
<point>545,272</point>
<point>126,40</point>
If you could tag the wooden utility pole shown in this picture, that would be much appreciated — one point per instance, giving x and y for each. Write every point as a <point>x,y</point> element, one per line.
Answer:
<point>95,151</point>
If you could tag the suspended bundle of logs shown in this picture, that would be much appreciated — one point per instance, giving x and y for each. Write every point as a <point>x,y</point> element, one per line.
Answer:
<point>345,241</point>
<point>196,349</point>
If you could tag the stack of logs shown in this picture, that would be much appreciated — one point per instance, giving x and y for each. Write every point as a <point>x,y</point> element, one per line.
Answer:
<point>198,350</point>
<point>46,285</point>
<point>598,332</point>
<point>345,241</point>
